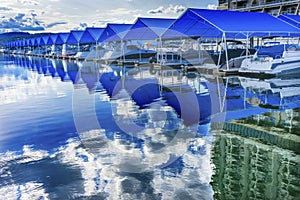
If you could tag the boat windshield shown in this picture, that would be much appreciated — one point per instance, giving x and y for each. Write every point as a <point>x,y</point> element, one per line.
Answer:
<point>275,51</point>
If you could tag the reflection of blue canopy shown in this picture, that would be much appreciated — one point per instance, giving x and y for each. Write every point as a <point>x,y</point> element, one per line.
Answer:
<point>91,35</point>
<point>233,24</point>
<point>291,19</point>
<point>191,107</point>
<point>114,32</point>
<point>148,28</point>
<point>142,91</point>
<point>75,36</point>
<point>60,70</point>
<point>73,71</point>
<point>90,76</point>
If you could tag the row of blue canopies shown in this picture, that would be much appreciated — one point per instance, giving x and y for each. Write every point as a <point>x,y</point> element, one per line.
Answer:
<point>193,23</point>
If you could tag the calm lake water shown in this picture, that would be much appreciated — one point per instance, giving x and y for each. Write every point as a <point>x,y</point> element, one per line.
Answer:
<point>80,130</point>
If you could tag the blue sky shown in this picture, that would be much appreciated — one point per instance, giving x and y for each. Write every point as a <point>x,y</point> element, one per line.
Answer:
<point>65,15</point>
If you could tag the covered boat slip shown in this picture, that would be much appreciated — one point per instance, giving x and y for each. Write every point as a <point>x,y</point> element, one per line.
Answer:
<point>222,26</point>
<point>199,38</point>
<point>291,19</point>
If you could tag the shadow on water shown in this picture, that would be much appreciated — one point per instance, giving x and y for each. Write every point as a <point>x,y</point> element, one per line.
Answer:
<point>90,131</point>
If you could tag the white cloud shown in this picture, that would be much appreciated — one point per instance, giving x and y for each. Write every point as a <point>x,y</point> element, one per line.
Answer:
<point>212,6</point>
<point>170,9</point>
<point>116,11</point>
<point>28,2</point>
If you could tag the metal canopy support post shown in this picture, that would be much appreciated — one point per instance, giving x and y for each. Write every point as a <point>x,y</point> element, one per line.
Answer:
<point>161,50</point>
<point>220,53</point>
<point>53,49</point>
<point>157,53</point>
<point>180,55</point>
<point>226,52</point>
<point>199,55</point>
<point>140,52</point>
<point>247,45</point>
<point>96,49</point>
<point>122,51</point>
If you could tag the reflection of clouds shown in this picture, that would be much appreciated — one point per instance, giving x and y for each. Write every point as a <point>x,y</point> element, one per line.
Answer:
<point>193,182</point>
<point>27,84</point>
<point>120,173</point>
<point>28,190</point>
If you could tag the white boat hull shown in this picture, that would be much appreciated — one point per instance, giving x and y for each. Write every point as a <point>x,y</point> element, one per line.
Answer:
<point>269,66</point>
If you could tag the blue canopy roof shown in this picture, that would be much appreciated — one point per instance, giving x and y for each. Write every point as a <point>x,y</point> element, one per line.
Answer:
<point>91,35</point>
<point>148,28</point>
<point>26,42</point>
<point>114,32</point>
<point>75,36</point>
<point>214,23</point>
<point>45,39</point>
<point>37,41</point>
<point>63,37</point>
<point>32,42</point>
<point>291,19</point>
<point>53,38</point>
<point>18,43</point>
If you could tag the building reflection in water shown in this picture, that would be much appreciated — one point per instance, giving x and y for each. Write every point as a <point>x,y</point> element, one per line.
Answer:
<point>252,168</point>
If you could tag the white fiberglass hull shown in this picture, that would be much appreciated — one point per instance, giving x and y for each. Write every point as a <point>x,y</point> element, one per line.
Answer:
<point>271,66</point>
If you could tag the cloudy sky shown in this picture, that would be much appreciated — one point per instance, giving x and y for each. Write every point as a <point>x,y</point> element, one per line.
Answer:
<point>65,15</point>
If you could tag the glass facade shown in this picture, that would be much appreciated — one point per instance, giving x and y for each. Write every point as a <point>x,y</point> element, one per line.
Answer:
<point>274,7</point>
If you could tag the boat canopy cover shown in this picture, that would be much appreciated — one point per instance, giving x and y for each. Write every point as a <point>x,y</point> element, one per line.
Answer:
<point>91,35</point>
<point>114,32</point>
<point>53,38</point>
<point>45,39</point>
<point>37,41</point>
<point>75,36</point>
<point>25,43</point>
<point>63,37</point>
<point>291,19</point>
<point>275,51</point>
<point>59,40</point>
<point>32,41</point>
<point>17,43</point>
<point>148,28</point>
<point>232,24</point>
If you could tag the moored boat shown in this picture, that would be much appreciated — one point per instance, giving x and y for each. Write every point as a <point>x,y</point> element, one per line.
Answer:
<point>276,60</point>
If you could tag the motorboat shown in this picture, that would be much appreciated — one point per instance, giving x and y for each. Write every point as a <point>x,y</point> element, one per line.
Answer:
<point>274,60</point>
<point>129,54</point>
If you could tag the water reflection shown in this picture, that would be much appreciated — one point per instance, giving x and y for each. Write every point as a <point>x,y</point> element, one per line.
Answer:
<point>246,168</point>
<point>97,131</point>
